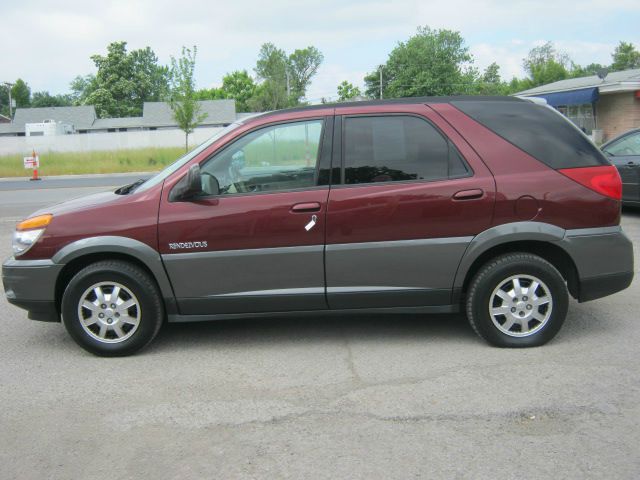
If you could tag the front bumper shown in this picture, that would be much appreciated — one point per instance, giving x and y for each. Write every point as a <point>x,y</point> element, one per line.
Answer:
<point>603,259</point>
<point>31,285</point>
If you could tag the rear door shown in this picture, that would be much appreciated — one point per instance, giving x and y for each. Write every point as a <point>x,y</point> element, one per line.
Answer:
<point>625,155</point>
<point>411,196</point>
<point>257,246</point>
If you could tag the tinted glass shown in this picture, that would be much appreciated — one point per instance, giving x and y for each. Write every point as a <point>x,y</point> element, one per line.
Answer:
<point>393,148</point>
<point>538,130</point>
<point>281,157</point>
<point>629,145</point>
<point>162,175</point>
<point>457,166</point>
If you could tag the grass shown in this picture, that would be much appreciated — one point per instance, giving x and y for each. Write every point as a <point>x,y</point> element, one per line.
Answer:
<point>262,152</point>
<point>77,163</point>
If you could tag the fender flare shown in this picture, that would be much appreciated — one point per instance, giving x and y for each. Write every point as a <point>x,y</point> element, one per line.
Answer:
<point>502,234</point>
<point>123,245</point>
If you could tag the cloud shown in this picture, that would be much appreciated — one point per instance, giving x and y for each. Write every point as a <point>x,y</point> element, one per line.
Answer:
<point>508,56</point>
<point>325,84</point>
<point>48,44</point>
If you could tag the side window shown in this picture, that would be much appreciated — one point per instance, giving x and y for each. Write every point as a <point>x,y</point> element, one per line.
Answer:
<point>629,145</point>
<point>280,157</point>
<point>397,148</point>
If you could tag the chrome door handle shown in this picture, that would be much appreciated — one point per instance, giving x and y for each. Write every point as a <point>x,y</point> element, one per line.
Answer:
<point>306,207</point>
<point>468,194</point>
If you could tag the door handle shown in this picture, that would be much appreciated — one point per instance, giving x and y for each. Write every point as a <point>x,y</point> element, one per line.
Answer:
<point>468,194</point>
<point>306,207</point>
<point>631,163</point>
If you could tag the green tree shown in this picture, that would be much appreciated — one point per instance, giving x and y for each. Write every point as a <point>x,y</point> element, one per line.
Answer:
<point>81,87</point>
<point>285,78</point>
<point>586,71</point>
<point>625,57</point>
<point>432,62</point>
<point>347,91</point>
<point>45,99</point>
<point>271,68</point>
<point>544,64</point>
<point>492,74</point>
<point>240,86</point>
<point>517,85</point>
<point>237,85</point>
<point>21,93</point>
<point>4,100</point>
<point>123,82</point>
<point>151,80</point>
<point>490,83</point>
<point>264,97</point>
<point>209,94</point>
<point>186,109</point>
<point>302,65</point>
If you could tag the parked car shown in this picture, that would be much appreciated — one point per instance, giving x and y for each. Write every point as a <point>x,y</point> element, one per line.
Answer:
<point>624,152</point>
<point>498,207</point>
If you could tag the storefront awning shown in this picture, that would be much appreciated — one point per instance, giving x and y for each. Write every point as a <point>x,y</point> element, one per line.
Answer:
<point>573,97</point>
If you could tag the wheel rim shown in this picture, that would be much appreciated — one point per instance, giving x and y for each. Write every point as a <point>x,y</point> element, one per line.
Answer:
<point>520,305</point>
<point>109,312</point>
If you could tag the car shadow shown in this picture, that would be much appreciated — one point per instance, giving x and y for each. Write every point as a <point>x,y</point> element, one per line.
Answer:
<point>631,211</point>
<point>452,329</point>
<point>332,328</point>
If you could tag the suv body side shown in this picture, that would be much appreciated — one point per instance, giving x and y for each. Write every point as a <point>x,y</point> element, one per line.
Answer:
<point>411,244</point>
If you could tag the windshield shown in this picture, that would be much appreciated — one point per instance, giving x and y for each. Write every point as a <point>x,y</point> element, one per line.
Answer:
<point>160,176</point>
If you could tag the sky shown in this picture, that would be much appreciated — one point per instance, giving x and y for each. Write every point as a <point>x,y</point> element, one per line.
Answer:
<point>48,43</point>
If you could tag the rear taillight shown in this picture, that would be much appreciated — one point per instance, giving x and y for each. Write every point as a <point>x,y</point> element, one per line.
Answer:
<point>604,180</point>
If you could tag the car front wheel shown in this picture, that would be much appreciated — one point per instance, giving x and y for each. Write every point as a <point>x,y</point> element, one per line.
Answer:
<point>112,308</point>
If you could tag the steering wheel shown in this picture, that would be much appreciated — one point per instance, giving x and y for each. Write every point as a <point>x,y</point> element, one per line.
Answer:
<point>236,179</point>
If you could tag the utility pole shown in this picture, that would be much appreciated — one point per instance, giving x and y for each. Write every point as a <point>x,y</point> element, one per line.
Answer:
<point>286,72</point>
<point>381,82</point>
<point>9,86</point>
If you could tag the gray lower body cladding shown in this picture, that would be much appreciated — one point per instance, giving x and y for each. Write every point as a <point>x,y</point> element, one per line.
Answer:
<point>603,259</point>
<point>30,284</point>
<point>405,273</point>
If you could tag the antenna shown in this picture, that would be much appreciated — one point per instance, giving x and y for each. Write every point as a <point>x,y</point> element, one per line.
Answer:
<point>602,73</point>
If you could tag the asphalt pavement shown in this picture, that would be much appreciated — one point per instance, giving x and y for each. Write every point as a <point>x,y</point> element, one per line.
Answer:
<point>363,397</point>
<point>20,196</point>
<point>70,181</point>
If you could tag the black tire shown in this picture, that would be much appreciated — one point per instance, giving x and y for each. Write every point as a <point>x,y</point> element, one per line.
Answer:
<point>543,321</point>
<point>134,284</point>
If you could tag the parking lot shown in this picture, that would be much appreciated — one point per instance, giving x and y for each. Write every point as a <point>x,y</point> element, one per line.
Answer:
<point>389,397</point>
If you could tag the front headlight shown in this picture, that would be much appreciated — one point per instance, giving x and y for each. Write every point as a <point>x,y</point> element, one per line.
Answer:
<point>28,232</point>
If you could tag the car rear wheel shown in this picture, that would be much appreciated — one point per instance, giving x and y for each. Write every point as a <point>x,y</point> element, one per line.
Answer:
<point>112,308</point>
<point>517,300</point>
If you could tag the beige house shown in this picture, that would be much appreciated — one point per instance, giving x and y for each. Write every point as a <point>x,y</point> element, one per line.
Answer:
<point>604,107</point>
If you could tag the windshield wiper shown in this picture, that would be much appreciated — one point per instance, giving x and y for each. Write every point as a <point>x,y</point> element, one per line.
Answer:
<point>130,188</point>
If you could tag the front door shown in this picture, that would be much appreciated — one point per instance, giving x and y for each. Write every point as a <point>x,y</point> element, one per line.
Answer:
<point>411,200</point>
<point>258,245</point>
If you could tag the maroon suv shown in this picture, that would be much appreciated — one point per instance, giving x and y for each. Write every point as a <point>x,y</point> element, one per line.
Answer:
<point>495,206</point>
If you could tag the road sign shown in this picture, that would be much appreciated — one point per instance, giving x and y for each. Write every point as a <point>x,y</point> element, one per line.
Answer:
<point>32,162</point>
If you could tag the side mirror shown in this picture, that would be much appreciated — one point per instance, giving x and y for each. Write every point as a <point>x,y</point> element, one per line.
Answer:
<point>189,186</point>
<point>210,184</point>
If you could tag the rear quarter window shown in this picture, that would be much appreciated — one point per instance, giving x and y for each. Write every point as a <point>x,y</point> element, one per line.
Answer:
<point>537,130</point>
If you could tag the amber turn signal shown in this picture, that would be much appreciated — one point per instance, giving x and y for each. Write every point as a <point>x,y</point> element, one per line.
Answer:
<point>40,221</point>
